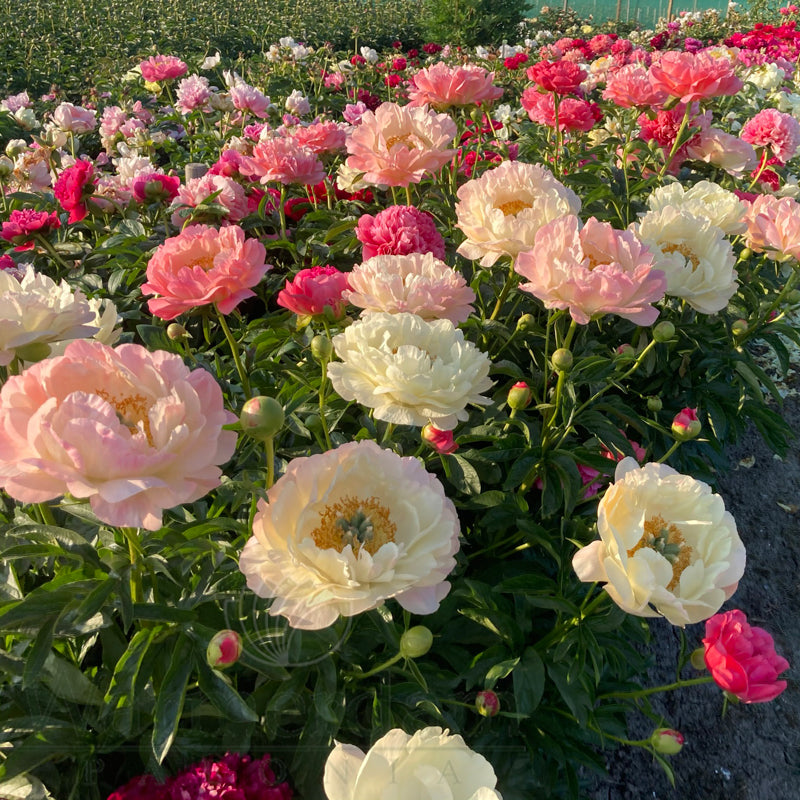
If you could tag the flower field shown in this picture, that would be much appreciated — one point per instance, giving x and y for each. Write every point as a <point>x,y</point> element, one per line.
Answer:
<point>360,405</point>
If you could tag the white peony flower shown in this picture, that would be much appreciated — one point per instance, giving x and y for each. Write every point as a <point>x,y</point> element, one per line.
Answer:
<point>344,530</point>
<point>209,62</point>
<point>369,55</point>
<point>705,199</point>
<point>431,764</point>
<point>501,211</point>
<point>411,372</point>
<point>768,77</point>
<point>37,311</point>
<point>696,258</point>
<point>667,545</point>
<point>105,321</point>
<point>297,103</point>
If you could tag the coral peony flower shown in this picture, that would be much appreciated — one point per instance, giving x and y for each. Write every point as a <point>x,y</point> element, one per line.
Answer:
<point>592,271</point>
<point>285,161</point>
<point>397,145</point>
<point>694,76</point>
<point>773,227</point>
<point>24,225</point>
<point>573,114</point>
<point>75,119</point>
<point>667,545</point>
<point>321,137</point>
<point>203,265</point>
<point>410,371</point>
<point>723,150</point>
<point>226,192</point>
<point>773,129</point>
<point>705,199</point>
<point>193,92</point>
<point>418,283</point>
<point>135,432</point>
<point>560,77</point>
<point>398,231</point>
<point>316,292</point>
<point>344,530</point>
<point>500,212</point>
<point>630,86</point>
<point>742,658</point>
<point>162,68</point>
<point>695,256</point>
<point>34,310</point>
<point>441,86</point>
<point>72,188</point>
<point>398,764</point>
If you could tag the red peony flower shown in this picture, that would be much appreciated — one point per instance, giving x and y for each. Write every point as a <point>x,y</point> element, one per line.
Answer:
<point>561,77</point>
<point>73,186</point>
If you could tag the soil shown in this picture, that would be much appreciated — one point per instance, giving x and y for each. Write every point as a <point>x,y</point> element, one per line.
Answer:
<point>753,752</point>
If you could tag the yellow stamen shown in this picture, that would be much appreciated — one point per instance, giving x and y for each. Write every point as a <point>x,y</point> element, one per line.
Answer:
<point>357,521</point>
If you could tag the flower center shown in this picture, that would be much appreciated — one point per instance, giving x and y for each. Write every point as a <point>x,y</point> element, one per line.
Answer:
<point>511,207</point>
<point>404,139</point>
<point>355,521</point>
<point>684,251</point>
<point>669,542</point>
<point>131,411</point>
<point>206,263</point>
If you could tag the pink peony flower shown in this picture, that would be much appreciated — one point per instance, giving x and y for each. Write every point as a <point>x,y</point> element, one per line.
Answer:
<point>155,187</point>
<point>321,137</point>
<point>193,92</point>
<point>573,114</point>
<point>723,150</point>
<point>773,227</point>
<point>742,658</point>
<point>417,283</point>
<point>249,99</point>
<point>664,128</point>
<point>775,130</point>
<point>75,119</point>
<point>694,76</point>
<point>397,145</point>
<point>441,441</point>
<point>591,271</point>
<point>630,86</point>
<point>283,160</point>
<point>23,225</point>
<point>203,265</point>
<point>73,186</point>
<point>399,230</point>
<point>227,193</point>
<point>15,102</point>
<point>135,432</point>
<point>162,68</point>
<point>560,77</point>
<point>443,87</point>
<point>316,292</point>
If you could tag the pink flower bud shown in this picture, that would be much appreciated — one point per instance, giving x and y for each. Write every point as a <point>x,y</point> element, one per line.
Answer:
<point>686,425</point>
<point>667,741</point>
<point>441,441</point>
<point>519,396</point>
<point>262,417</point>
<point>224,649</point>
<point>487,703</point>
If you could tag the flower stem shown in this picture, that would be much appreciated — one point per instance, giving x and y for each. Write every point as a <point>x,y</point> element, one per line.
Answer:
<point>504,291</point>
<point>51,251</point>
<point>269,448</point>
<point>235,351</point>
<point>46,514</point>
<point>675,445</point>
<point>375,670</point>
<point>677,143</point>
<point>667,687</point>
<point>134,551</point>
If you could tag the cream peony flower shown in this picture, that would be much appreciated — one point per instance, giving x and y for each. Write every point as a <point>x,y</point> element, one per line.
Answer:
<point>410,371</point>
<point>430,764</point>
<point>501,211</point>
<point>667,545</point>
<point>696,258</point>
<point>705,199</point>
<point>37,311</point>
<point>346,529</point>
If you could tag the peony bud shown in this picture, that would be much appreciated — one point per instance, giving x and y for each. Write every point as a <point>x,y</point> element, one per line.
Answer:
<point>664,331</point>
<point>519,395</point>
<point>321,347</point>
<point>667,741</point>
<point>746,254</point>
<point>698,659</point>
<point>441,441</point>
<point>686,425</point>
<point>527,322</point>
<point>739,327</point>
<point>654,404</point>
<point>562,359</point>
<point>487,704</point>
<point>176,331</point>
<point>415,642</point>
<point>6,167</point>
<point>224,649</point>
<point>262,417</point>
<point>625,352</point>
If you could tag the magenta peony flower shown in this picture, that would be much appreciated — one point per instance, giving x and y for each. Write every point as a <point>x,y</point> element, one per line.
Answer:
<point>773,129</point>
<point>153,186</point>
<point>142,787</point>
<point>135,432</point>
<point>162,68</point>
<point>443,87</point>
<point>315,292</point>
<point>398,231</point>
<point>203,265</point>
<point>73,186</point>
<point>23,225</point>
<point>283,160</point>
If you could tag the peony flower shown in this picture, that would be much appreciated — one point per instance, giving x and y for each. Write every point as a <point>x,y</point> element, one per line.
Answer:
<point>34,310</point>
<point>193,92</point>
<point>203,265</point>
<point>696,258</point>
<point>399,765</point>
<point>441,86</point>
<point>592,271</point>
<point>23,226</point>
<point>135,432</point>
<point>440,441</point>
<point>573,114</point>
<point>321,137</point>
<point>410,371</point>
<point>667,545</point>
<point>155,187</point>
<point>705,199</point>
<point>344,530</point>
<point>398,231</point>
<point>723,150</point>
<point>500,212</point>
<point>630,86</point>
<point>297,103</point>
<point>742,658</point>
<point>559,77</point>
<point>773,227</point>
<point>73,186</point>
<point>226,192</point>
<point>74,119</point>
<point>694,76</point>
<point>418,283</point>
<point>773,129</point>
<point>162,68</point>
<point>316,292</point>
<point>285,161</point>
<point>250,100</point>
<point>397,145</point>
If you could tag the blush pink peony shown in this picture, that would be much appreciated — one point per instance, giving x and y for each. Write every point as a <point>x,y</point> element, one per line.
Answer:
<point>226,192</point>
<point>773,227</point>
<point>74,119</point>
<point>630,86</point>
<point>591,271</point>
<point>399,230</point>
<point>321,137</point>
<point>283,160</point>
<point>135,432</point>
<point>441,86</point>
<point>203,265</point>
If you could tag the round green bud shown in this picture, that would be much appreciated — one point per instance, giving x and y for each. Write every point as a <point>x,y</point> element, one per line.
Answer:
<point>262,417</point>
<point>321,347</point>
<point>698,659</point>
<point>415,642</point>
<point>519,396</point>
<point>667,741</point>
<point>739,327</point>
<point>176,331</point>
<point>654,404</point>
<point>746,254</point>
<point>527,322</point>
<point>562,360</point>
<point>664,331</point>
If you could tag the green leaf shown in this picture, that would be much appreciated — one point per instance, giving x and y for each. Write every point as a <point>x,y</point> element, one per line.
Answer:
<point>462,474</point>
<point>529,680</point>
<point>155,338</point>
<point>68,682</point>
<point>170,698</point>
<point>37,655</point>
<point>221,694</point>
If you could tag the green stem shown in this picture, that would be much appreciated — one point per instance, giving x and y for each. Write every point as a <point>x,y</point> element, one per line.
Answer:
<point>282,212</point>
<point>562,377</point>
<point>235,351</point>
<point>134,551</point>
<point>678,140</point>
<point>47,514</point>
<point>269,448</point>
<point>387,434</point>
<point>322,386</point>
<point>675,445</point>
<point>504,291</point>
<point>667,687</point>
<point>375,670</point>
<point>52,252</point>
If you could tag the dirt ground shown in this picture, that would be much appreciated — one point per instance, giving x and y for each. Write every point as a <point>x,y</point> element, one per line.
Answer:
<point>753,753</point>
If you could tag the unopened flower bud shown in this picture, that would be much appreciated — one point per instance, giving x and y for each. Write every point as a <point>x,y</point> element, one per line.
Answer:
<point>224,649</point>
<point>746,254</point>
<point>487,704</point>
<point>686,425</point>
<point>664,331</point>
<point>176,331</point>
<point>654,404</point>
<point>262,417</point>
<point>321,347</point>
<point>6,167</point>
<point>667,741</point>
<point>562,359</point>
<point>415,642</point>
<point>16,147</point>
<point>519,395</point>
<point>739,327</point>
<point>527,322</point>
<point>698,659</point>
<point>626,352</point>
<point>441,441</point>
